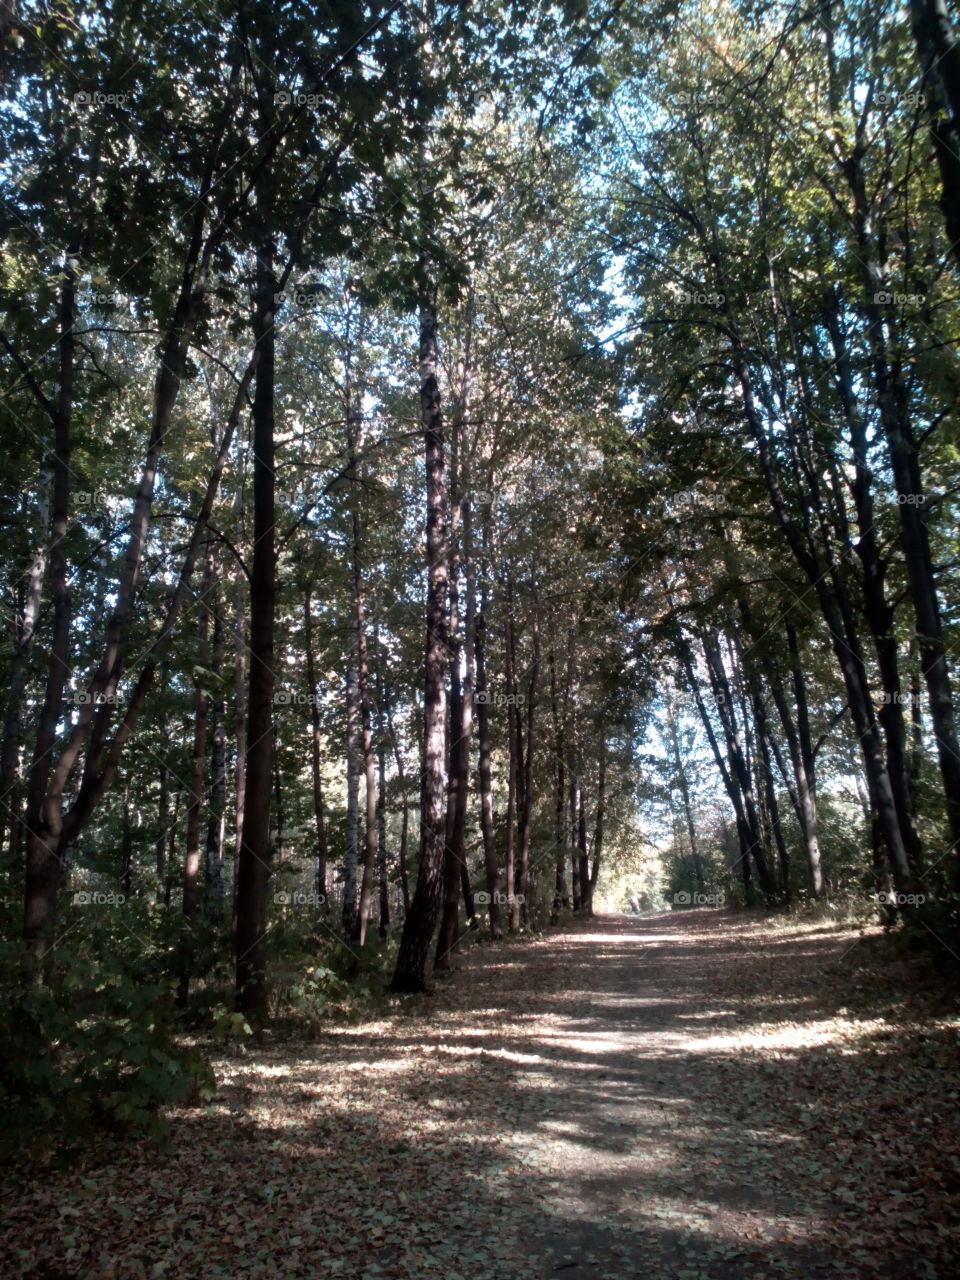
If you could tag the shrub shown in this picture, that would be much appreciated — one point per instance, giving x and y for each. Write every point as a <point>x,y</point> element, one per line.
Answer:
<point>95,1051</point>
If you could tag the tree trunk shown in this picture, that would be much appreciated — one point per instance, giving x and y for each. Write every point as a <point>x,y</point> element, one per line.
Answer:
<point>893,399</point>
<point>320,876</point>
<point>684,785</point>
<point>363,684</point>
<point>348,907</point>
<point>44,818</point>
<point>837,614</point>
<point>26,630</point>
<point>217,816</point>
<point>915,756</point>
<point>383,881</point>
<point>740,774</point>
<point>877,611</point>
<point>171,852</point>
<point>514,767</point>
<point>805,769</point>
<point>797,788</point>
<point>459,830</point>
<point>561,896</point>
<point>405,819</point>
<point>410,972</point>
<point>163,820</point>
<point>239,728</point>
<point>763,735</point>
<point>586,899</point>
<point>254,865</point>
<point>402,856</point>
<point>573,797</point>
<point>191,859</point>
<point>579,885</point>
<point>278,844</point>
<point>940,65</point>
<point>519,910</point>
<point>730,783</point>
<point>598,822</point>
<point>484,779</point>
<point>127,874</point>
<point>456,871</point>
<point>89,734</point>
<point>449,930</point>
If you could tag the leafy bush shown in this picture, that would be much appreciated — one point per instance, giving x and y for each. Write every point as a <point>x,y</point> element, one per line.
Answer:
<point>330,979</point>
<point>230,1028</point>
<point>96,1050</point>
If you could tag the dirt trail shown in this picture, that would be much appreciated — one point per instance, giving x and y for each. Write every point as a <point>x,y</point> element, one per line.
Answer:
<point>674,1097</point>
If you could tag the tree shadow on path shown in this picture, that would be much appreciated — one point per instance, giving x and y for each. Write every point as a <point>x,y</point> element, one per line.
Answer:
<point>670,1097</point>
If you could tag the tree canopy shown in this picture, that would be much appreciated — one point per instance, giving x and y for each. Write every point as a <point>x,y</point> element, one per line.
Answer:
<point>464,466</point>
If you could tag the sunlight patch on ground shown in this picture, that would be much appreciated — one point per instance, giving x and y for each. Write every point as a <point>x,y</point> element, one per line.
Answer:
<point>584,1043</point>
<point>706,1015</point>
<point>744,1225</point>
<point>773,1036</point>
<point>631,939</point>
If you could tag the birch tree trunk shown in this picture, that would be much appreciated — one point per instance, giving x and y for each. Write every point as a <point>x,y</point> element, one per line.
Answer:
<point>191,857</point>
<point>363,686</point>
<point>383,881</point>
<point>348,907</point>
<point>519,909</point>
<point>320,827</point>
<point>484,774</point>
<point>255,850</point>
<point>410,972</point>
<point>217,816</point>
<point>561,895</point>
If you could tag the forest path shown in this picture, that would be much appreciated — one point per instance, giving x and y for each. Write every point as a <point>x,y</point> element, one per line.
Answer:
<point>679,1096</point>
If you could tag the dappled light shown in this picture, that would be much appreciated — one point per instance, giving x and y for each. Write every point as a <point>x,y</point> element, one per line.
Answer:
<point>479,640</point>
<point>609,1137</point>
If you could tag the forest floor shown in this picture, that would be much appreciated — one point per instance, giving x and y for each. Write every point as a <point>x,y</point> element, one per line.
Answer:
<point>692,1095</point>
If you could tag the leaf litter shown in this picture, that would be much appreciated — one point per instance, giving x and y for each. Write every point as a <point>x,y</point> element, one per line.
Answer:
<point>692,1096</point>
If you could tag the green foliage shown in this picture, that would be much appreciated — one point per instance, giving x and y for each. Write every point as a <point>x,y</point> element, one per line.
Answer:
<point>96,1051</point>
<point>315,982</point>
<point>312,997</point>
<point>230,1028</point>
<point>706,883</point>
